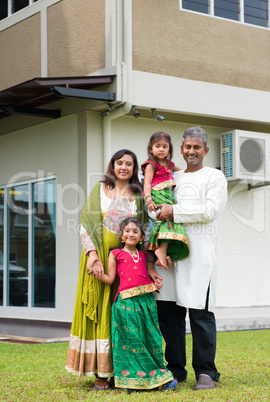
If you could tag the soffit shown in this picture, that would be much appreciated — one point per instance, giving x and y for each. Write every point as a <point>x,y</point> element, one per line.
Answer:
<point>29,97</point>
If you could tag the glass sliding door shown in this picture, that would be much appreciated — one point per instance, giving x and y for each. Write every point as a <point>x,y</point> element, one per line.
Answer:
<point>27,244</point>
<point>1,245</point>
<point>44,224</point>
<point>17,269</point>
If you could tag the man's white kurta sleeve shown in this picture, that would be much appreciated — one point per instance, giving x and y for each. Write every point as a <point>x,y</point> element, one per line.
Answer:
<point>202,201</point>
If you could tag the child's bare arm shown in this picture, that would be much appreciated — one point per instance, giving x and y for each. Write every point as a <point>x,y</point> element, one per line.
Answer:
<point>148,177</point>
<point>176,168</point>
<point>111,271</point>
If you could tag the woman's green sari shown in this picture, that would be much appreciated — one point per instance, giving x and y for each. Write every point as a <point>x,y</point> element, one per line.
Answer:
<point>89,351</point>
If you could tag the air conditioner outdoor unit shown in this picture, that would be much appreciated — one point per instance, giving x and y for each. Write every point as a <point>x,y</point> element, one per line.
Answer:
<point>245,155</point>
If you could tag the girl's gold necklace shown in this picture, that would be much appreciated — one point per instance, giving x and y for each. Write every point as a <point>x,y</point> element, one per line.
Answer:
<point>135,259</point>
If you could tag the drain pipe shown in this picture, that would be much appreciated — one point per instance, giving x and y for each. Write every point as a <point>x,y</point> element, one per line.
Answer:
<point>123,16</point>
<point>107,131</point>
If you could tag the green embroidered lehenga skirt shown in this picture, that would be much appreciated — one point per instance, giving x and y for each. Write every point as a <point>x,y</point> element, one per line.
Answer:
<point>173,233</point>
<point>137,344</point>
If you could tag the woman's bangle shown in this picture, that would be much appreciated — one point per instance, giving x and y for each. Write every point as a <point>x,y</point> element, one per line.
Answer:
<point>90,271</point>
<point>149,202</point>
<point>90,251</point>
<point>147,196</point>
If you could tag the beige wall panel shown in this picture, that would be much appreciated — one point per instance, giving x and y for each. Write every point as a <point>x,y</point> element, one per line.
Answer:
<point>20,43</point>
<point>193,46</point>
<point>76,37</point>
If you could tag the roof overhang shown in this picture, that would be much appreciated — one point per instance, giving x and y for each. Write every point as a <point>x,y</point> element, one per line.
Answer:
<point>28,97</point>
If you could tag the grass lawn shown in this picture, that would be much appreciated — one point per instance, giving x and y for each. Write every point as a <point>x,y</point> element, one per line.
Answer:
<point>36,373</point>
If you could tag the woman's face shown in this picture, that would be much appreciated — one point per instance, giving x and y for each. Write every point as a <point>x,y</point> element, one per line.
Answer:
<point>123,168</point>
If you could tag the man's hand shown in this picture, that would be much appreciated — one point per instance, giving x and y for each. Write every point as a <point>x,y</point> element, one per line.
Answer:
<point>166,213</point>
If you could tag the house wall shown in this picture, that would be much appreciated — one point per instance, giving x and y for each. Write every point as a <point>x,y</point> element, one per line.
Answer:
<point>198,47</point>
<point>21,42</point>
<point>175,69</point>
<point>244,225</point>
<point>68,41</point>
<point>71,148</point>
<point>76,37</point>
<point>56,148</point>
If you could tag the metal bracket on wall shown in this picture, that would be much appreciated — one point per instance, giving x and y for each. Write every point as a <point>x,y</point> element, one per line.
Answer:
<point>258,185</point>
<point>83,93</point>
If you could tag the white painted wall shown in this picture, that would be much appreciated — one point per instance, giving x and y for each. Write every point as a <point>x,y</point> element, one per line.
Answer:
<point>71,148</point>
<point>50,148</point>
<point>243,276</point>
<point>244,225</point>
<point>134,134</point>
<point>199,98</point>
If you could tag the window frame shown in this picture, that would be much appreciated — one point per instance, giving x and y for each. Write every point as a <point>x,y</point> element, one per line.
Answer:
<point>5,188</point>
<point>241,14</point>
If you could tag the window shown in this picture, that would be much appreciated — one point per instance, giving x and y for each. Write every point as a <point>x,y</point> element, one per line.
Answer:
<point>27,244</point>
<point>44,224</point>
<point>3,9</point>
<point>254,12</point>
<point>17,264</point>
<point>1,245</point>
<point>9,7</point>
<point>196,5</point>
<point>226,9</point>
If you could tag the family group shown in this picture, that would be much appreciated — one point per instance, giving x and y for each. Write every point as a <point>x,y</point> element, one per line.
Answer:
<point>137,284</point>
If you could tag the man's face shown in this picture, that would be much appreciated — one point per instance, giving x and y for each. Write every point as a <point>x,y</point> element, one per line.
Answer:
<point>193,152</point>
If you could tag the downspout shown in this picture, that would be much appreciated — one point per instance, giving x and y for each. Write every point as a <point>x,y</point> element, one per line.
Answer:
<point>123,17</point>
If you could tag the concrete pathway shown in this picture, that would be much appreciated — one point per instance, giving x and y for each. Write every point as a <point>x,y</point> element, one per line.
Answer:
<point>228,319</point>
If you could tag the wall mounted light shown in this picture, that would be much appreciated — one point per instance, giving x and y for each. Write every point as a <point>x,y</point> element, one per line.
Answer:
<point>157,116</point>
<point>135,113</point>
<point>108,111</point>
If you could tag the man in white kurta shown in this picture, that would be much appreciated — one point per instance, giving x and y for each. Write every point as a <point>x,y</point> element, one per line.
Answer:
<point>201,194</point>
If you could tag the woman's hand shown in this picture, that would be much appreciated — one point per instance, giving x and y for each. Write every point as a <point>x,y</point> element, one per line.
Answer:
<point>94,265</point>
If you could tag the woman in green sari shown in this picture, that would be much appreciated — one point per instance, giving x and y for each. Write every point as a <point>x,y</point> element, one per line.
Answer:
<point>116,197</point>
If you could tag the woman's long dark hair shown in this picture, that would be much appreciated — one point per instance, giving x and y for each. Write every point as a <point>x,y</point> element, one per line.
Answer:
<point>109,177</point>
<point>160,135</point>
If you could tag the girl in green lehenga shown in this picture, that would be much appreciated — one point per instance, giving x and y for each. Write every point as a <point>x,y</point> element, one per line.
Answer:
<point>168,238</point>
<point>136,338</point>
<point>115,198</point>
